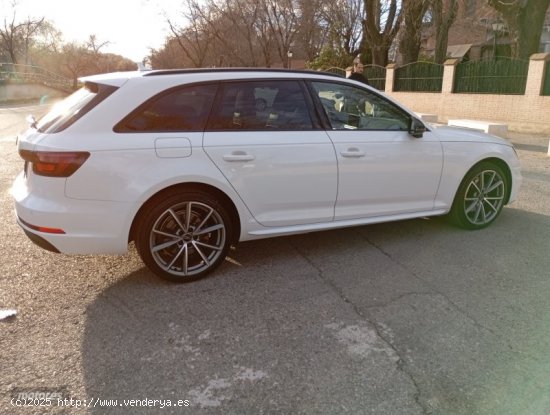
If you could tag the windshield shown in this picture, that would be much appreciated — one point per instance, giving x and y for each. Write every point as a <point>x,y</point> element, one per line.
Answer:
<point>66,112</point>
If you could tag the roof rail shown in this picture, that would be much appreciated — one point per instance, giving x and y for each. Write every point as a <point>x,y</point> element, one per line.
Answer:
<point>160,72</point>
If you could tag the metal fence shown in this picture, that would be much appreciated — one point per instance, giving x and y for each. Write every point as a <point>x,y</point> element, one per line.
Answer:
<point>546,84</point>
<point>377,76</point>
<point>495,76</point>
<point>17,73</point>
<point>337,71</point>
<point>419,76</point>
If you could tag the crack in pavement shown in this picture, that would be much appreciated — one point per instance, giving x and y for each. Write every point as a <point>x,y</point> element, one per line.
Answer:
<point>400,297</point>
<point>400,364</point>
<point>436,291</point>
<point>430,285</point>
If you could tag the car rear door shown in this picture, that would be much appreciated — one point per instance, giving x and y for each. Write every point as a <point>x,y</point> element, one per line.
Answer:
<point>266,141</point>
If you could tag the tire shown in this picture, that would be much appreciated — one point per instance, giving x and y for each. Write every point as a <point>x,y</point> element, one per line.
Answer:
<point>184,236</point>
<point>480,197</point>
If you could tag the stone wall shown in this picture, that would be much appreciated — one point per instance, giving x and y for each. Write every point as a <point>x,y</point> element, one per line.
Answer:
<point>15,92</point>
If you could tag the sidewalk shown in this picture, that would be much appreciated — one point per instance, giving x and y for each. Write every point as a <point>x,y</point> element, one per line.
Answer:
<point>530,142</point>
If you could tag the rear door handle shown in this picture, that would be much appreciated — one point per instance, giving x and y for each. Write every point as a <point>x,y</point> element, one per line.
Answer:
<point>352,152</point>
<point>238,156</point>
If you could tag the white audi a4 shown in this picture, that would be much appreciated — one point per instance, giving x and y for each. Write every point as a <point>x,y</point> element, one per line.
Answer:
<point>188,162</point>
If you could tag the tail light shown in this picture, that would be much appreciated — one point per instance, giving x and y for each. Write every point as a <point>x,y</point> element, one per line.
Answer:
<point>54,163</point>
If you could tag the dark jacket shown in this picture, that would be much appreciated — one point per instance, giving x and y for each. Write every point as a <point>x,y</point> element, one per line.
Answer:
<point>356,76</point>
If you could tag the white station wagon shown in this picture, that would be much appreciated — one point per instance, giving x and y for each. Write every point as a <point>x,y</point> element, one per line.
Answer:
<point>188,162</point>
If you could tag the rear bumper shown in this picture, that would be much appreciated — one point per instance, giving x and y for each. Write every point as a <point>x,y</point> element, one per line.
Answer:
<point>90,227</point>
<point>41,242</point>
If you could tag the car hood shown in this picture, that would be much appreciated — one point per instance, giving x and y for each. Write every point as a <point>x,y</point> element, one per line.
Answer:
<point>457,134</point>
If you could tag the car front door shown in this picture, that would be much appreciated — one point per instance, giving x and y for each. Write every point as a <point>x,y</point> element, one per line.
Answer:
<point>382,169</point>
<point>266,141</point>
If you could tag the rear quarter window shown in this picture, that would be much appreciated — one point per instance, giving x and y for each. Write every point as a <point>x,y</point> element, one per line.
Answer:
<point>178,109</point>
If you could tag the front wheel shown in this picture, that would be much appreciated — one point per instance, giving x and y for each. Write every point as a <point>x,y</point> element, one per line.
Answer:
<point>480,197</point>
<point>184,236</point>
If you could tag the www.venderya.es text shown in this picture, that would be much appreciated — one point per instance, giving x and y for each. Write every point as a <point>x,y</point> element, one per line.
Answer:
<point>101,403</point>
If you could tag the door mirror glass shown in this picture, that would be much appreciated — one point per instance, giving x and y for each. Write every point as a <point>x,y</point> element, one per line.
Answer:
<point>417,129</point>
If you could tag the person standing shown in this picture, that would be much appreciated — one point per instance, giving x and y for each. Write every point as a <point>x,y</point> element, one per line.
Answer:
<point>357,72</point>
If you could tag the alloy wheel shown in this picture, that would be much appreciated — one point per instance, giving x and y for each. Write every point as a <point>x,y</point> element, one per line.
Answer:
<point>484,197</point>
<point>187,238</point>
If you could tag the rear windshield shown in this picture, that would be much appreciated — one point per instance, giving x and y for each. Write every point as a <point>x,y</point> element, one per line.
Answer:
<point>66,112</point>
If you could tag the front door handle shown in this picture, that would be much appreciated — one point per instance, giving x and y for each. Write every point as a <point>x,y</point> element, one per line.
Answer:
<point>352,152</point>
<point>238,156</point>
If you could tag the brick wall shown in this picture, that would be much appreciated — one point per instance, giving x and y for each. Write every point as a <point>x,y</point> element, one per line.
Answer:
<point>529,113</point>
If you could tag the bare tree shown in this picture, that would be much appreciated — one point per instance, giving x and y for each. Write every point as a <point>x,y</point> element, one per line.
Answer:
<point>243,22</point>
<point>75,60</point>
<point>443,15</point>
<point>265,39</point>
<point>193,40</point>
<point>241,32</point>
<point>48,39</point>
<point>381,24</point>
<point>167,57</point>
<point>16,37</point>
<point>282,20</point>
<point>95,45</point>
<point>525,20</point>
<point>344,20</point>
<point>99,62</point>
<point>29,30</point>
<point>410,35</point>
<point>312,30</point>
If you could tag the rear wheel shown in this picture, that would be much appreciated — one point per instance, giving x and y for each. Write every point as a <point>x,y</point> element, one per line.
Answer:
<point>184,236</point>
<point>480,197</point>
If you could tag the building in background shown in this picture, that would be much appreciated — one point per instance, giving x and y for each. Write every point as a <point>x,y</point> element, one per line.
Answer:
<point>479,33</point>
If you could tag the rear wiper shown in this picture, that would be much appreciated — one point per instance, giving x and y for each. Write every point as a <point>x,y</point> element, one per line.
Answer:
<point>31,120</point>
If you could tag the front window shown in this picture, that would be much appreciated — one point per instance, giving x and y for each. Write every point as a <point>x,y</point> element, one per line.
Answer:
<point>352,108</point>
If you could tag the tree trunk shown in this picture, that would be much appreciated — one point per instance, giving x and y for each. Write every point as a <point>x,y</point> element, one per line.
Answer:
<point>530,22</point>
<point>442,21</point>
<point>376,38</point>
<point>525,18</point>
<point>441,43</point>
<point>409,44</point>
<point>380,55</point>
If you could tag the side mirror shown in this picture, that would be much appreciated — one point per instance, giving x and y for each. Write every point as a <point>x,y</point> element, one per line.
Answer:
<point>417,128</point>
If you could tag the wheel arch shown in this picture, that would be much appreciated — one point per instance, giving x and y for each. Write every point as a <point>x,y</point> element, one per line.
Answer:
<point>192,186</point>
<point>458,213</point>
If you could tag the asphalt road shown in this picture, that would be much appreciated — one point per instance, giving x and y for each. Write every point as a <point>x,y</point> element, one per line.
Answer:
<point>413,317</point>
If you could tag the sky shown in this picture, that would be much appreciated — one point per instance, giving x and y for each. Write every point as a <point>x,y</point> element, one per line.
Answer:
<point>132,26</point>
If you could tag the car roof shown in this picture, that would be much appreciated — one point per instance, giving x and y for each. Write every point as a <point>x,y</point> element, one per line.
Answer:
<point>119,78</point>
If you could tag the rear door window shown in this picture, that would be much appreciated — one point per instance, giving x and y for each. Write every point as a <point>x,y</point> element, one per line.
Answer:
<point>178,109</point>
<point>261,105</point>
